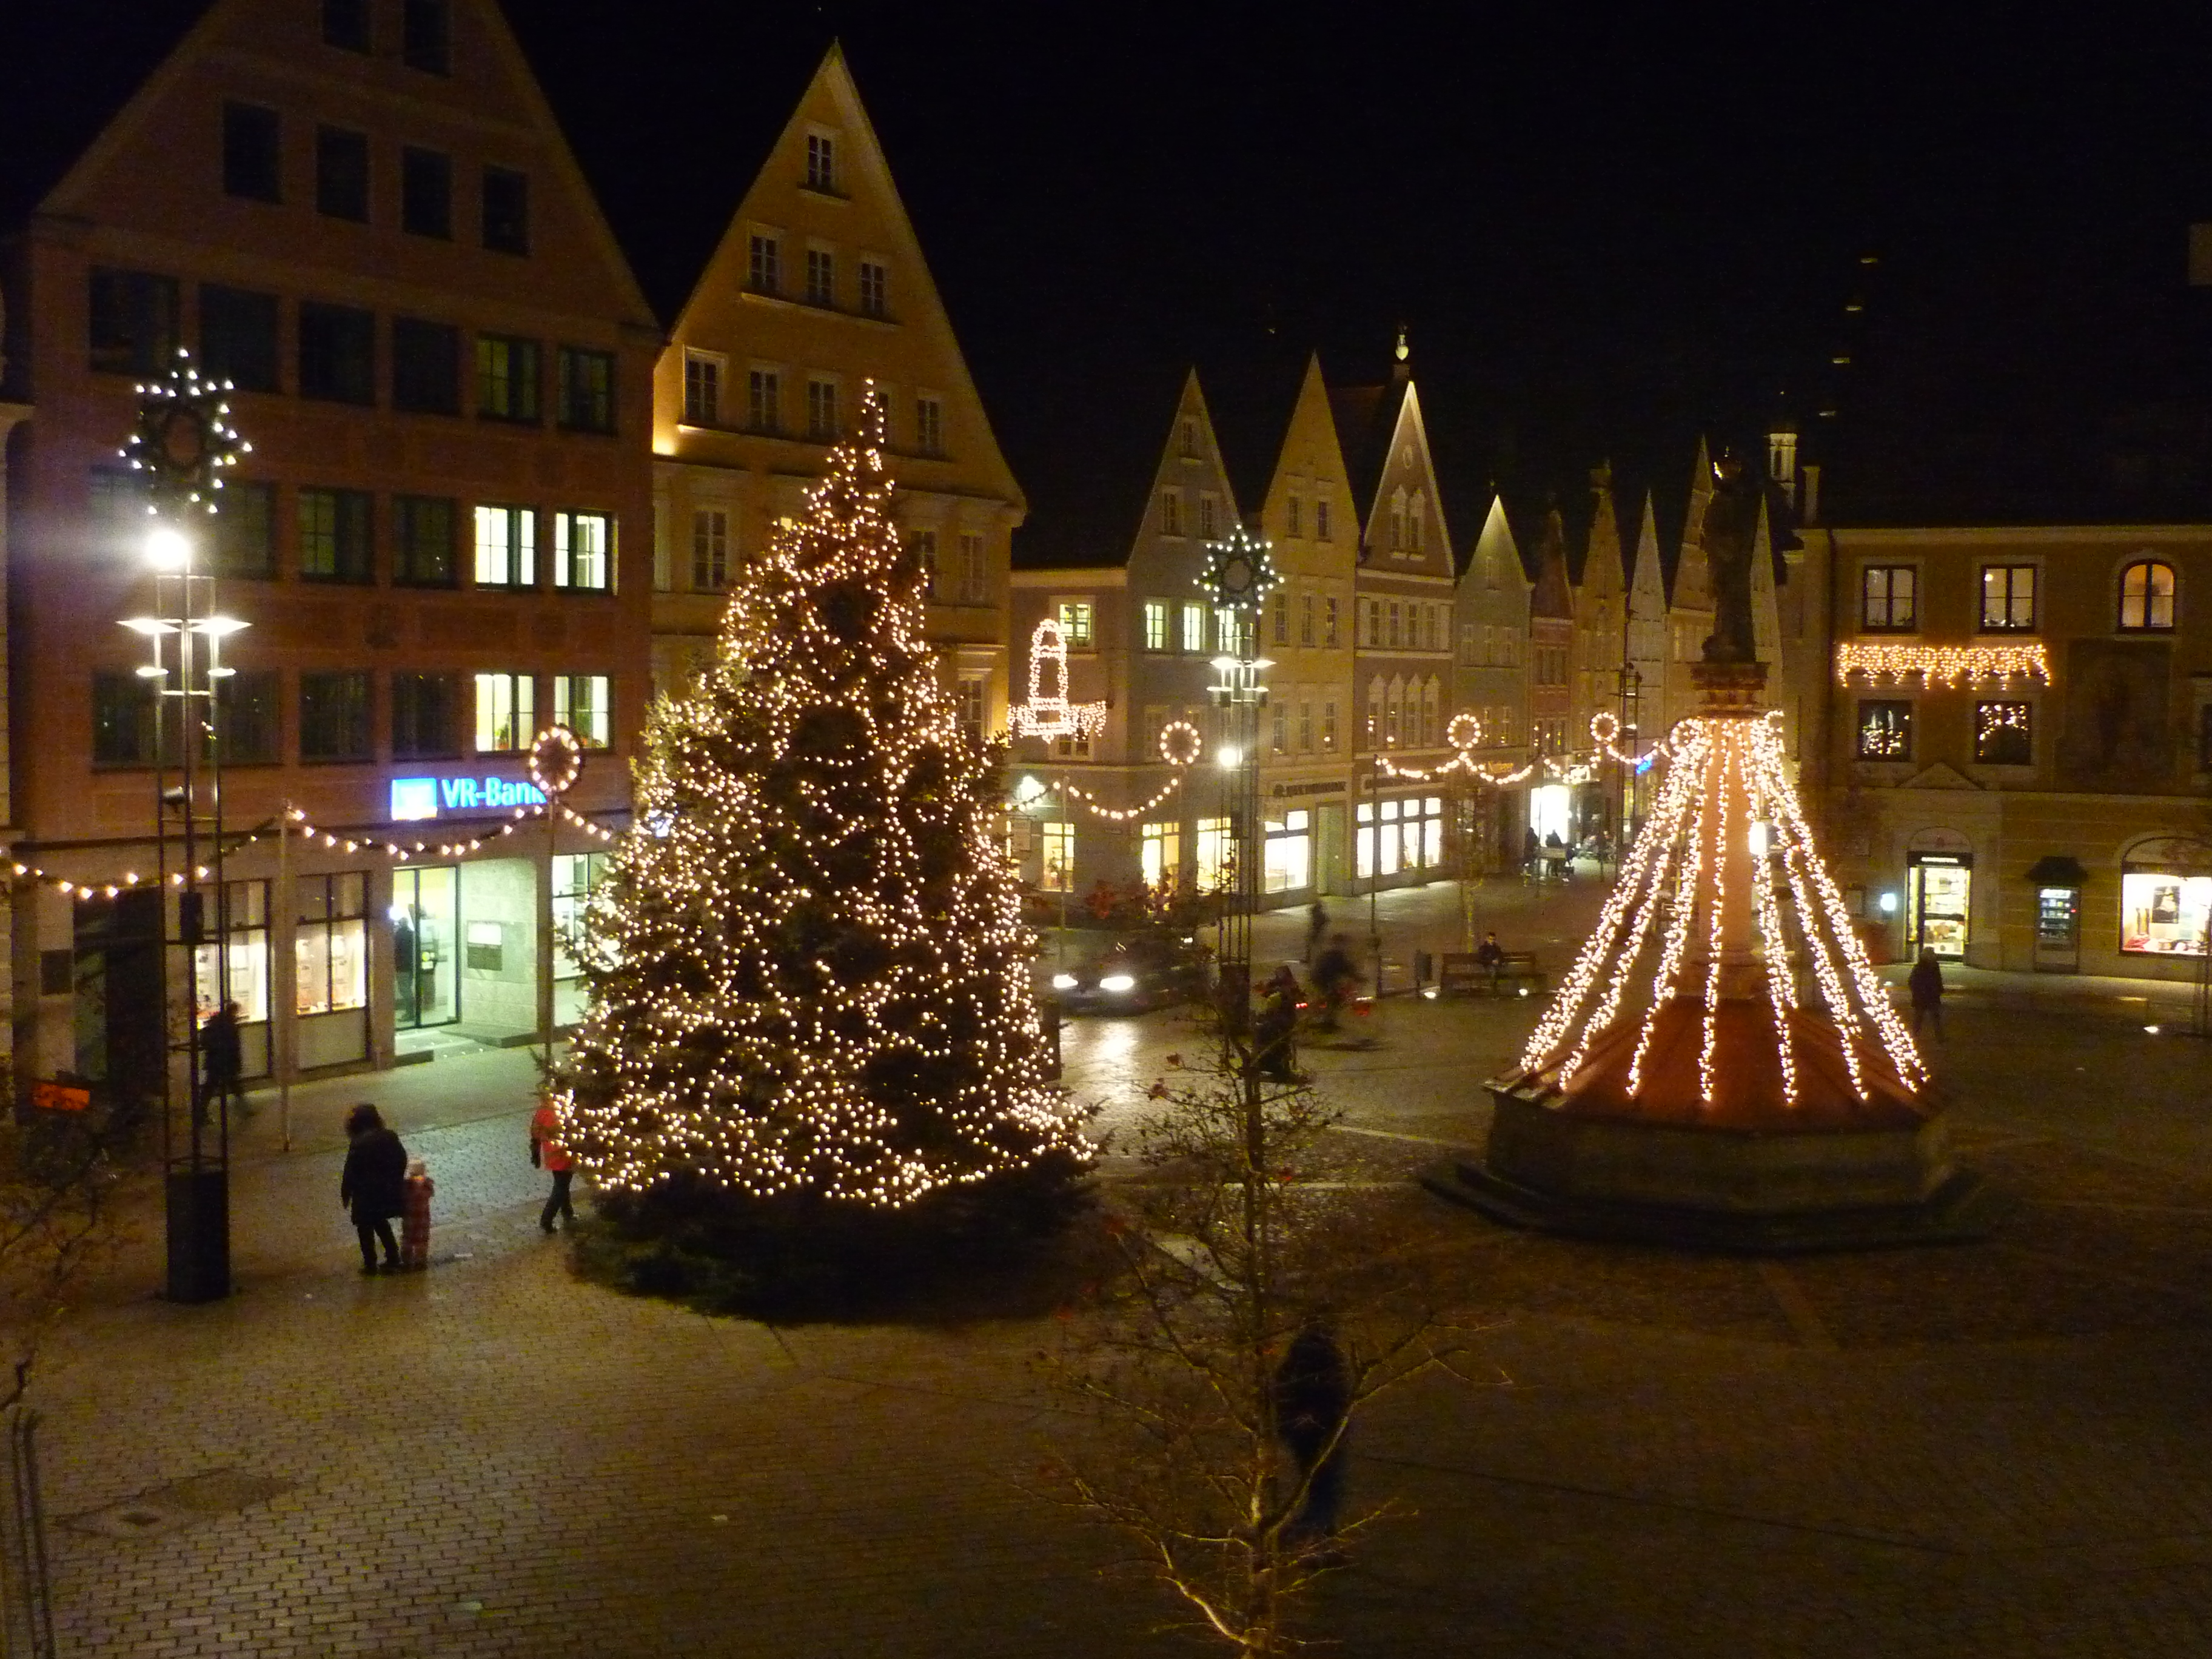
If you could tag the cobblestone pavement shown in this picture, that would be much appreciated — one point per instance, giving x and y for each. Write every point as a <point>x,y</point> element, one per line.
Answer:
<point>1998,1448</point>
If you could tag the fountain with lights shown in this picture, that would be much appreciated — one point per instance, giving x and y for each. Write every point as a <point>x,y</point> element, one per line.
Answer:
<point>1721,1069</point>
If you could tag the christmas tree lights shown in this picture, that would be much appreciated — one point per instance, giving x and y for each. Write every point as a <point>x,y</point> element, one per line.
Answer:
<point>809,974</point>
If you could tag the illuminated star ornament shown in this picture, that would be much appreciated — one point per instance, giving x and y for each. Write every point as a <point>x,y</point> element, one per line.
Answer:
<point>1049,714</point>
<point>183,442</point>
<point>807,970</point>
<point>1240,572</point>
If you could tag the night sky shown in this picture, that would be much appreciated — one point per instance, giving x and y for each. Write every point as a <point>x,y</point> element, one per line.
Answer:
<point>1605,233</point>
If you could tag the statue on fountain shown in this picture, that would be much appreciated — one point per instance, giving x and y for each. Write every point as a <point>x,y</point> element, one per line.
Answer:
<point>1730,540</point>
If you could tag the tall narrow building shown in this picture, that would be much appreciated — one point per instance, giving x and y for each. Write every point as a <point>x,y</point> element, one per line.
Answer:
<point>1491,607</point>
<point>364,215</point>
<point>817,288</point>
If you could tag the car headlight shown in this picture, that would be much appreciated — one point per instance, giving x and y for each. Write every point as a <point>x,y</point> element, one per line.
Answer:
<point>1063,981</point>
<point>1118,983</point>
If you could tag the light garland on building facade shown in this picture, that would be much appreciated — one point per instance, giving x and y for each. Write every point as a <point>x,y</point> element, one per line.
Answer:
<point>1939,665</point>
<point>1049,714</point>
<point>817,978</point>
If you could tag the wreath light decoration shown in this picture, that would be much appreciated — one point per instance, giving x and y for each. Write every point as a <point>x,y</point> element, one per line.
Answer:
<point>556,760</point>
<point>1463,731</point>
<point>1179,744</point>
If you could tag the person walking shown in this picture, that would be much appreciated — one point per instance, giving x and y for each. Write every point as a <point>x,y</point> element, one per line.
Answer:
<point>1316,925</point>
<point>373,1184</point>
<point>415,1226</point>
<point>547,1153</point>
<point>221,1059</point>
<point>1278,1019</point>
<point>1927,984</point>
<point>1313,1404</point>
<point>1333,976</point>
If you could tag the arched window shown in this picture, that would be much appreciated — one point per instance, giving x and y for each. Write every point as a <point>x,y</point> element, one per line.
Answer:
<point>2147,597</point>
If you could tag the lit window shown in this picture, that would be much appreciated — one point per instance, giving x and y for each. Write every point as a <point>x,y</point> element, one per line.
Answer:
<point>2147,597</point>
<point>507,377</point>
<point>1885,731</point>
<point>2007,598</point>
<point>1057,871</point>
<point>583,544</point>
<point>574,876</point>
<point>580,702</point>
<point>507,547</point>
<point>1193,626</point>
<point>2003,734</point>
<point>1159,853</point>
<point>1155,624</point>
<point>1074,616</point>
<point>505,713</point>
<point>1888,596</point>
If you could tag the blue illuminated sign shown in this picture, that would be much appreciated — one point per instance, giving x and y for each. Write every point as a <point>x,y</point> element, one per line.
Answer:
<point>426,798</point>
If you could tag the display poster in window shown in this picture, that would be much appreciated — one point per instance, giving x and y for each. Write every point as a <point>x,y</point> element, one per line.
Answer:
<point>2163,914</point>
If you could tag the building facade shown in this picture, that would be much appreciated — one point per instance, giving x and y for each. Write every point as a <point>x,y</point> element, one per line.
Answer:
<point>365,217</point>
<point>818,288</point>
<point>1489,679</point>
<point>2019,743</point>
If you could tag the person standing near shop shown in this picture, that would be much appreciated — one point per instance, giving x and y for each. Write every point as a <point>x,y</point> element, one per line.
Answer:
<point>374,1185</point>
<point>547,1153</point>
<point>1927,984</point>
<point>222,1060</point>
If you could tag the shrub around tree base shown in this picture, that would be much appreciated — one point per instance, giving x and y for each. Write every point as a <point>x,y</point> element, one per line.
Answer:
<point>966,1251</point>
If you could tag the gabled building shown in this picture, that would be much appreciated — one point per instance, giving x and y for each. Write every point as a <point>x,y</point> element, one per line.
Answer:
<point>1307,779</point>
<point>1140,637</point>
<point>1489,612</point>
<point>1403,642</point>
<point>1644,719</point>
<point>817,288</point>
<point>1689,597</point>
<point>367,218</point>
<point>1601,593</point>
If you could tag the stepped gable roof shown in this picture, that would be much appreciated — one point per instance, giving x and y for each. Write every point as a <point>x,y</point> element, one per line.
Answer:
<point>1086,512</point>
<point>67,68</point>
<point>1366,418</point>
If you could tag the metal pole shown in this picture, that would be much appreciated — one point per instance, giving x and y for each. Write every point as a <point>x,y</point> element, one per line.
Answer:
<point>283,1011</point>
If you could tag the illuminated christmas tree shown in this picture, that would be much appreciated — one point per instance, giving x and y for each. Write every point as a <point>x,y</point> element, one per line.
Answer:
<point>807,971</point>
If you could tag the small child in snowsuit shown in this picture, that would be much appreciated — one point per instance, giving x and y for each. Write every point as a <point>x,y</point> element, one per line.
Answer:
<point>415,1224</point>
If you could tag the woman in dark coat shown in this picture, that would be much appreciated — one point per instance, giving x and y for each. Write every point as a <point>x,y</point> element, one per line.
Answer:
<point>374,1185</point>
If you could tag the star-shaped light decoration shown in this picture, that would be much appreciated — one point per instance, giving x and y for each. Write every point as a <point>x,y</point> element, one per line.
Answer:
<point>1240,571</point>
<point>183,442</point>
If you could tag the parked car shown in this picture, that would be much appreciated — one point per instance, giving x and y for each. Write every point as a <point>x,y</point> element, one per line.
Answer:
<point>1133,972</point>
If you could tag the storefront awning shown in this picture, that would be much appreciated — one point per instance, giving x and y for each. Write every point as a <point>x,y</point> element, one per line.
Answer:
<point>2057,870</point>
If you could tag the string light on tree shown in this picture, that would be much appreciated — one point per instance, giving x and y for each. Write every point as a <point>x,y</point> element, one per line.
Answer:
<point>810,975</point>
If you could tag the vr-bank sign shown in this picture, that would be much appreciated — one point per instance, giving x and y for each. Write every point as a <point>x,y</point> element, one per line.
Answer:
<point>427,797</point>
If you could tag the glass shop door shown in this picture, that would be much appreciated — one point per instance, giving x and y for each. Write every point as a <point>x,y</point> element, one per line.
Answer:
<point>425,953</point>
<point>1937,892</point>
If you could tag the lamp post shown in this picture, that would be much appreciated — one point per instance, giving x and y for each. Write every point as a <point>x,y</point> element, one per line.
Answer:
<point>182,443</point>
<point>1239,574</point>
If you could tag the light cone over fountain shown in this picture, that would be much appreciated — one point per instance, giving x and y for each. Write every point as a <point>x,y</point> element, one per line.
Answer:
<point>1722,1067</point>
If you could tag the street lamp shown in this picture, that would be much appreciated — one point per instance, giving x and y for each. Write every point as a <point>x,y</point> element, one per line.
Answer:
<point>183,443</point>
<point>1239,574</point>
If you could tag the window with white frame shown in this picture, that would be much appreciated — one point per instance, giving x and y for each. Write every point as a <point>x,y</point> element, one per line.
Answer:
<point>1171,513</point>
<point>975,704</point>
<point>924,544</point>
<point>1306,619</point>
<point>710,550</point>
<point>582,703</point>
<point>822,411</point>
<point>702,387</point>
<point>764,263</point>
<point>505,713</point>
<point>1056,873</point>
<point>1889,598</point>
<point>1155,624</point>
<point>2146,589</point>
<point>583,552</point>
<point>821,161</point>
<point>1074,618</point>
<point>1159,855</point>
<point>929,426</point>
<point>1279,606</point>
<point>875,288</point>
<point>1305,728</point>
<point>1320,522</point>
<point>821,276</point>
<point>1208,517</point>
<point>975,574</point>
<point>1193,626</point>
<point>765,400</point>
<point>507,547</point>
<point>1329,725</point>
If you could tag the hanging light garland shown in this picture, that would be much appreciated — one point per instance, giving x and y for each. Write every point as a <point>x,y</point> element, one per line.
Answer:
<point>1939,665</point>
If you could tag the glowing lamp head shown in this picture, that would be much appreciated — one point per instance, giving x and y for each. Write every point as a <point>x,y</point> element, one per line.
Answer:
<point>1889,904</point>
<point>1229,758</point>
<point>167,548</point>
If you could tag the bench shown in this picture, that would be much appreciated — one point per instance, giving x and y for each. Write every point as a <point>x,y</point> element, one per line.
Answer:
<point>1460,971</point>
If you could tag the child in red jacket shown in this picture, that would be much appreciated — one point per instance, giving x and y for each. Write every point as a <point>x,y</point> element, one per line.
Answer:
<point>415,1226</point>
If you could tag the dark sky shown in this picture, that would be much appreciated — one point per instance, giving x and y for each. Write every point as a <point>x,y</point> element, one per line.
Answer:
<point>1607,227</point>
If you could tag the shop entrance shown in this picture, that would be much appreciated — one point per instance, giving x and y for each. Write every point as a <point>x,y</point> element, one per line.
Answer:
<point>1938,889</point>
<point>425,925</point>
